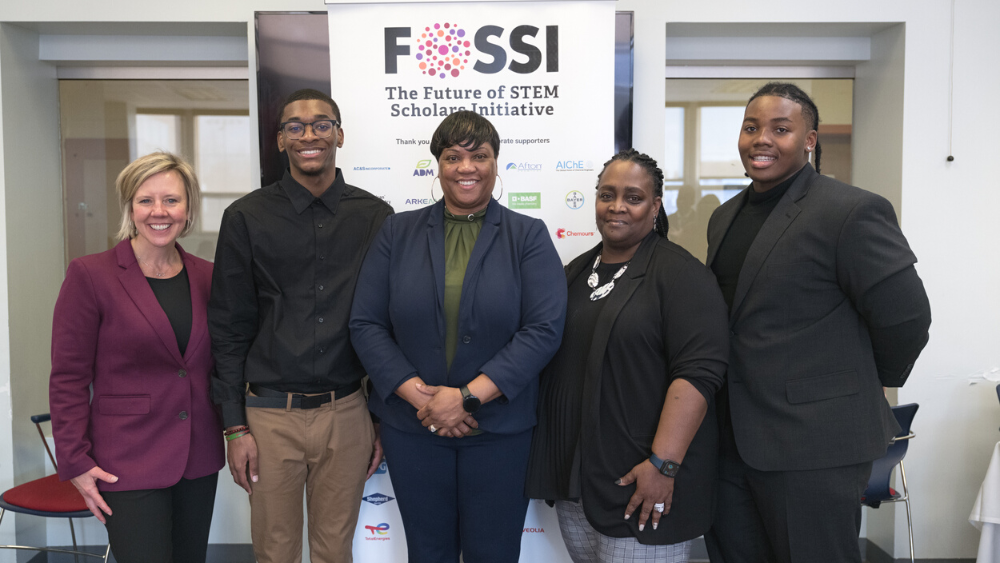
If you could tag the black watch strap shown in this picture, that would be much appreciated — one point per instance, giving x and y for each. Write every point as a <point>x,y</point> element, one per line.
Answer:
<point>470,402</point>
<point>665,466</point>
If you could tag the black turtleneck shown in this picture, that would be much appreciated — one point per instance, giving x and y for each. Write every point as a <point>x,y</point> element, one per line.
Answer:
<point>741,234</point>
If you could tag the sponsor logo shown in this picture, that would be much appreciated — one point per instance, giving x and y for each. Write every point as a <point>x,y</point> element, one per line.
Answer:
<point>371,168</point>
<point>382,468</point>
<point>524,167</point>
<point>447,50</point>
<point>534,530</point>
<point>525,200</point>
<point>423,168</point>
<point>574,199</point>
<point>377,499</point>
<point>564,233</point>
<point>378,533</point>
<point>426,201</point>
<point>574,166</point>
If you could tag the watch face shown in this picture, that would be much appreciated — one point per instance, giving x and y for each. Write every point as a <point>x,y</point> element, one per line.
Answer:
<point>471,404</point>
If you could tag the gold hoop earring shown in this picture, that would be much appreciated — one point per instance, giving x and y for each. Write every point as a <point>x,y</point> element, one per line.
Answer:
<point>434,199</point>
<point>501,187</point>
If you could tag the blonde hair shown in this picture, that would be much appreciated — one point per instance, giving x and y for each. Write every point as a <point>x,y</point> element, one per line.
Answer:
<point>142,169</point>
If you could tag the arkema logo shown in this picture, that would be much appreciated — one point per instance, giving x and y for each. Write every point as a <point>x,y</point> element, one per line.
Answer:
<point>426,201</point>
<point>564,233</point>
<point>378,533</point>
<point>524,167</point>
<point>377,499</point>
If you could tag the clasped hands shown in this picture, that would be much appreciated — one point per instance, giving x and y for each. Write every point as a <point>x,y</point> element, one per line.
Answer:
<point>443,409</point>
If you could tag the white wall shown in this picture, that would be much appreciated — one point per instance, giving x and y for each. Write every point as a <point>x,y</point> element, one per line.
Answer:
<point>948,210</point>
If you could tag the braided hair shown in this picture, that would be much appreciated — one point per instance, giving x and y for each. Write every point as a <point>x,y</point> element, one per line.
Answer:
<point>792,92</point>
<point>655,176</point>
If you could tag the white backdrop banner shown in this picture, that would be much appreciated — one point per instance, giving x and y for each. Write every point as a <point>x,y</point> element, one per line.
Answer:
<point>543,74</point>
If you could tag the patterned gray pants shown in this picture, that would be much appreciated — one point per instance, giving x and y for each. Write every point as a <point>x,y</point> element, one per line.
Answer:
<point>587,545</point>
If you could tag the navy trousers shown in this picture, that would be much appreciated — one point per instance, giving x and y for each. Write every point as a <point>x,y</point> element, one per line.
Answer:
<point>459,495</point>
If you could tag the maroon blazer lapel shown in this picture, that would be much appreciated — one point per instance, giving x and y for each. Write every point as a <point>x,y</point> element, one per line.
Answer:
<point>198,278</point>
<point>138,289</point>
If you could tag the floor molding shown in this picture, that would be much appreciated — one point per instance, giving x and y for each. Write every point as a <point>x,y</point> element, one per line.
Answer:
<point>217,553</point>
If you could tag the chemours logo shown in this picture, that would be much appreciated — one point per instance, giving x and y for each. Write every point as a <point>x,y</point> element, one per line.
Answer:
<point>524,167</point>
<point>575,166</point>
<point>423,168</point>
<point>378,533</point>
<point>574,199</point>
<point>377,499</point>
<point>525,200</point>
<point>563,233</point>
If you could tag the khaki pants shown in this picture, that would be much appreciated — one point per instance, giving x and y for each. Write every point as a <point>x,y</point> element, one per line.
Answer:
<point>327,450</point>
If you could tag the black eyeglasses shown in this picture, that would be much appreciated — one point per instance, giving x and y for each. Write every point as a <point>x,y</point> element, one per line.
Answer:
<point>322,128</point>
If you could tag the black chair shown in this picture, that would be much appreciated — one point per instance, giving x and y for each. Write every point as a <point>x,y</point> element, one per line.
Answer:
<point>48,497</point>
<point>878,490</point>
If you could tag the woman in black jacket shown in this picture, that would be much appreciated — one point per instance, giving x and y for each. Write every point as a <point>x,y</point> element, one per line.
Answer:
<point>627,436</point>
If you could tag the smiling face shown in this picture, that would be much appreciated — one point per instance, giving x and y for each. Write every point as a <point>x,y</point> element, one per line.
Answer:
<point>310,156</point>
<point>160,209</point>
<point>626,205</point>
<point>775,141</point>
<point>467,177</point>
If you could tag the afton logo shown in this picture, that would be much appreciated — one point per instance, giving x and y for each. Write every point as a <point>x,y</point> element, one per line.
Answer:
<point>564,233</point>
<point>379,532</point>
<point>511,166</point>
<point>444,49</point>
<point>524,167</point>
<point>574,199</point>
<point>377,499</point>
<point>423,168</point>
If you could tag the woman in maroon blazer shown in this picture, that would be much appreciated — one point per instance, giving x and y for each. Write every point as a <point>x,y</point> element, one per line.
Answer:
<point>146,450</point>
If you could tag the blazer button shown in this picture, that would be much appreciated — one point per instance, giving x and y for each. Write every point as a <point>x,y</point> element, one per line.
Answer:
<point>183,415</point>
<point>182,373</point>
<point>466,339</point>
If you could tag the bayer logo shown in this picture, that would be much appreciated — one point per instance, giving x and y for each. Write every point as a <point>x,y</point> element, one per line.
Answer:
<point>574,200</point>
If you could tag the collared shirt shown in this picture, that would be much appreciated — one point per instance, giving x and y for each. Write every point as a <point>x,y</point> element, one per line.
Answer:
<point>285,270</point>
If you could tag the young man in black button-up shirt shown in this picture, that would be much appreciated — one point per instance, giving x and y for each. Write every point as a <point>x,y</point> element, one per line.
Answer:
<point>285,270</point>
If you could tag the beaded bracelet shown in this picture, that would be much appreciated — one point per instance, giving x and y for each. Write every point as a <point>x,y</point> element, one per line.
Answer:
<point>235,430</point>
<point>232,437</point>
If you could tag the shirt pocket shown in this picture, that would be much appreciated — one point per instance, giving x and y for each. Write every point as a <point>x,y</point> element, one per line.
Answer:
<point>119,405</point>
<point>821,387</point>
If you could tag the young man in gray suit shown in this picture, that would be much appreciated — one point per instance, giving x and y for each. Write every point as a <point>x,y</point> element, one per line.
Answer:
<point>825,308</point>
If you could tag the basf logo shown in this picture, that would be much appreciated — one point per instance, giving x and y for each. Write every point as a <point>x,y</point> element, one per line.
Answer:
<point>575,166</point>
<point>524,200</point>
<point>377,498</point>
<point>378,533</point>
<point>524,167</point>
<point>423,168</point>
<point>574,199</point>
<point>564,233</point>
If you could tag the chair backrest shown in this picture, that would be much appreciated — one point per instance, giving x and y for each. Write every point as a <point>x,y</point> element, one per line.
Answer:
<point>878,484</point>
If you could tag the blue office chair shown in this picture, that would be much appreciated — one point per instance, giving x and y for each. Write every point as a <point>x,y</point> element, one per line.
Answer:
<point>48,497</point>
<point>878,490</point>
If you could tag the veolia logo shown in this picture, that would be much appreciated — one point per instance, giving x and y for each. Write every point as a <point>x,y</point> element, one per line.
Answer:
<point>444,50</point>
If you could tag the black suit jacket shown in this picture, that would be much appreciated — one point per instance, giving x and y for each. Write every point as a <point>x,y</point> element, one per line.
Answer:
<point>804,390</point>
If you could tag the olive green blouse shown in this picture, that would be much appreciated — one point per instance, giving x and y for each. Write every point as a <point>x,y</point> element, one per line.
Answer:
<point>460,233</point>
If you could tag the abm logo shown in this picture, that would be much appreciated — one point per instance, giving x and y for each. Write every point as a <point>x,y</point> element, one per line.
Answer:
<point>377,499</point>
<point>444,49</point>
<point>423,168</point>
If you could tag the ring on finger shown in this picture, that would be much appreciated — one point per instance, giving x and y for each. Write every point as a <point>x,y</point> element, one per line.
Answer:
<point>433,429</point>
<point>659,507</point>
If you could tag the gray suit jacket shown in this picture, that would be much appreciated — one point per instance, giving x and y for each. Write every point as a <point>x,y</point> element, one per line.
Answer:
<point>804,391</point>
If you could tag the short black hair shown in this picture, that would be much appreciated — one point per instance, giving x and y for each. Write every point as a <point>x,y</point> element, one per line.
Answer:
<point>792,92</point>
<point>655,176</point>
<point>466,129</point>
<point>310,94</point>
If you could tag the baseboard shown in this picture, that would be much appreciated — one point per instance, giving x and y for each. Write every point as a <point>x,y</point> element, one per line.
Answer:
<point>872,553</point>
<point>217,553</point>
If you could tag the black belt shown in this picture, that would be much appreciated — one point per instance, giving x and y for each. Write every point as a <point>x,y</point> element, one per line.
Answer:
<point>271,399</point>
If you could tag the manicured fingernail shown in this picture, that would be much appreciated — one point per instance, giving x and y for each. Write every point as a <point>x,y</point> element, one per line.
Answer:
<point>640,527</point>
<point>618,481</point>
<point>627,515</point>
<point>254,478</point>
<point>654,525</point>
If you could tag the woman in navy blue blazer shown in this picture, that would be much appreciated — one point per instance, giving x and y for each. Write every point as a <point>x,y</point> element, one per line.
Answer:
<point>458,308</point>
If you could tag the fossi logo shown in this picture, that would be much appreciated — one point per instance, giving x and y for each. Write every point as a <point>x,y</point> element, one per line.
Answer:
<point>379,532</point>
<point>524,167</point>
<point>444,49</point>
<point>574,199</point>
<point>377,499</point>
<point>423,168</point>
<point>564,233</point>
<point>524,200</point>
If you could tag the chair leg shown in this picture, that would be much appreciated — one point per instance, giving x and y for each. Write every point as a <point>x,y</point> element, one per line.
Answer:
<point>72,533</point>
<point>909,520</point>
<point>2,512</point>
<point>107,552</point>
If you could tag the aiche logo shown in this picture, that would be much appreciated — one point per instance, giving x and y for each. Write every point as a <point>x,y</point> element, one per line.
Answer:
<point>564,233</point>
<point>574,199</point>
<point>443,50</point>
<point>423,168</point>
<point>575,166</point>
<point>378,533</point>
<point>525,200</point>
<point>377,499</point>
<point>524,167</point>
